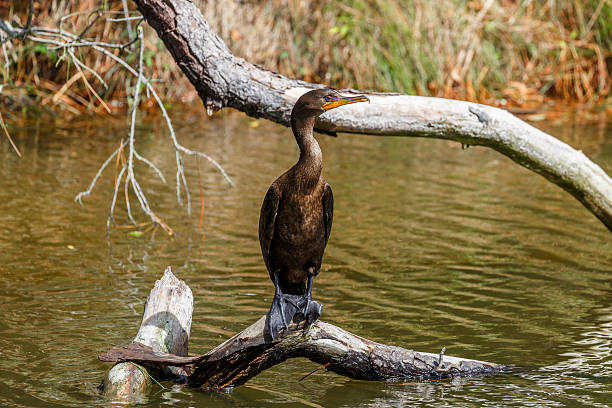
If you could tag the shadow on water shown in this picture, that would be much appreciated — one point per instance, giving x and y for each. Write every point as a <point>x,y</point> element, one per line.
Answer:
<point>432,246</point>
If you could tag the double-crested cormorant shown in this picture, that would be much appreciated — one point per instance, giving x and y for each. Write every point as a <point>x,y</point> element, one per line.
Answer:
<point>296,217</point>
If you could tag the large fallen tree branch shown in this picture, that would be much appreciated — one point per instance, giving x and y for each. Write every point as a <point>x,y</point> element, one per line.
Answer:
<point>165,330</point>
<point>223,80</point>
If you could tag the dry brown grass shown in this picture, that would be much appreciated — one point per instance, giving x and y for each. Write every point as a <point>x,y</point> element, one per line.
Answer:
<point>523,51</point>
<point>44,78</point>
<point>505,51</point>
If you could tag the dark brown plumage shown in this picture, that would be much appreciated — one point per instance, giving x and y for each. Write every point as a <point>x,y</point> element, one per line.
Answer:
<point>297,214</point>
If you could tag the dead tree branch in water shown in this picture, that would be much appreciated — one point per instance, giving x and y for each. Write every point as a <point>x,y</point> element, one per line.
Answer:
<point>162,343</point>
<point>165,327</point>
<point>224,80</point>
<point>67,42</point>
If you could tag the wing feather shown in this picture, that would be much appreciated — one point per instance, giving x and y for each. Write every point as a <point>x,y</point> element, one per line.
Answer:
<point>267,221</point>
<point>328,210</point>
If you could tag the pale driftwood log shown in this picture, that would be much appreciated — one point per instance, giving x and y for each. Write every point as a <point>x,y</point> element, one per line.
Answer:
<point>251,351</point>
<point>223,80</point>
<point>165,327</point>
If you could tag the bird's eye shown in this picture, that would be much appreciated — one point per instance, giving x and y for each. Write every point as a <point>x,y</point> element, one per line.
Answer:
<point>328,98</point>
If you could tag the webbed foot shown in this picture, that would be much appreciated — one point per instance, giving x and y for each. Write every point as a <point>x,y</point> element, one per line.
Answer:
<point>281,314</point>
<point>311,311</point>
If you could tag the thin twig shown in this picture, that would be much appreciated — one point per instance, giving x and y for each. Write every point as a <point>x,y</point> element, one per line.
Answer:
<point>85,67</point>
<point>91,23</point>
<point>126,12</point>
<point>127,198</point>
<point>150,164</point>
<point>187,192</point>
<point>89,87</point>
<point>177,146</point>
<point>87,192</point>
<point>114,201</point>
<point>130,178</point>
<point>207,157</point>
<point>9,136</point>
<point>24,31</point>
<point>117,20</point>
<point>179,170</point>
<point>314,371</point>
<point>83,43</point>
<point>58,38</point>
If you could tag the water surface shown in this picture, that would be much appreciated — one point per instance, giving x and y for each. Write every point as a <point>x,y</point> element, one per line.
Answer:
<point>432,246</point>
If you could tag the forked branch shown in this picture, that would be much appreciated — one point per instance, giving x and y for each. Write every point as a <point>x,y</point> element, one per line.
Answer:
<point>67,42</point>
<point>251,351</point>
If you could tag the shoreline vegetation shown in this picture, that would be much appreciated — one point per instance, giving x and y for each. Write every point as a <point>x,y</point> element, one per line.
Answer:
<point>527,56</point>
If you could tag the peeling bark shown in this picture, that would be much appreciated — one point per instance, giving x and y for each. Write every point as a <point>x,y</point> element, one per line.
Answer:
<point>224,80</point>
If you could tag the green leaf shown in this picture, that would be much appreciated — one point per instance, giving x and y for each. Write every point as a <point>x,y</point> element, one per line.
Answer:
<point>40,48</point>
<point>52,56</point>
<point>135,234</point>
<point>344,30</point>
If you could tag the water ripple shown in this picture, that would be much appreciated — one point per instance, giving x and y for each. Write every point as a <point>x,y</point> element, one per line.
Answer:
<point>432,246</point>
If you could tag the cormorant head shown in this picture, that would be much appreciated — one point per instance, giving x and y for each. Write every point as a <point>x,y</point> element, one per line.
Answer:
<point>319,101</point>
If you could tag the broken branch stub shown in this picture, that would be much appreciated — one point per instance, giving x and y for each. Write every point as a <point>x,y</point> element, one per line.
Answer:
<point>165,327</point>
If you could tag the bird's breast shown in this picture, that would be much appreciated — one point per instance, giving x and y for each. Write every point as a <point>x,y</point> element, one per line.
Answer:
<point>300,219</point>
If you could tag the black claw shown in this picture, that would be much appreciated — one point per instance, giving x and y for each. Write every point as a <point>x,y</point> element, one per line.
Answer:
<point>312,311</point>
<point>285,307</point>
<point>275,321</point>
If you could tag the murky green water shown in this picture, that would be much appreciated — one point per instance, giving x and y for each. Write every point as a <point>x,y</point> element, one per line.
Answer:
<point>432,246</point>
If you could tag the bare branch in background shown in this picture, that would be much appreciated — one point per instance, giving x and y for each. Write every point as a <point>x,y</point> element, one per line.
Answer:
<point>67,42</point>
<point>130,179</point>
<point>128,23</point>
<point>87,192</point>
<point>12,34</point>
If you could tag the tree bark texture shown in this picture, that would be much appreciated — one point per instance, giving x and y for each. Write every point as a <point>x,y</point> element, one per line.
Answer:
<point>224,80</point>
<point>252,351</point>
<point>248,353</point>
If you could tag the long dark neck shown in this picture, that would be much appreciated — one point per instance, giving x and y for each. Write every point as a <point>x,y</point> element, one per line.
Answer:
<point>309,166</point>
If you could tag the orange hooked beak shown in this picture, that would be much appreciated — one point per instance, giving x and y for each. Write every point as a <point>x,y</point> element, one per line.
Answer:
<point>344,100</point>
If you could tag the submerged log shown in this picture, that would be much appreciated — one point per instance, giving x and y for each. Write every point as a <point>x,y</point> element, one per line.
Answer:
<point>224,80</point>
<point>252,351</point>
<point>165,327</point>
